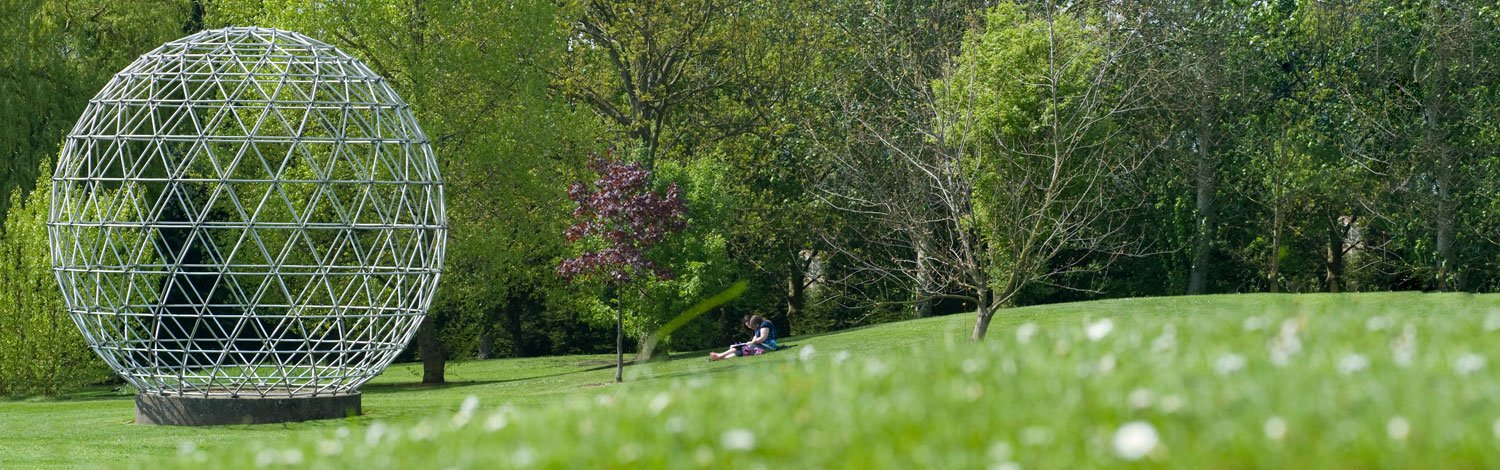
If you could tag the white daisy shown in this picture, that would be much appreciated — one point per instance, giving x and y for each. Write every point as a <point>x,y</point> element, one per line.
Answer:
<point>1353,362</point>
<point>738,439</point>
<point>1397,428</point>
<point>1025,332</point>
<point>1404,347</point>
<point>1139,398</point>
<point>1275,428</point>
<point>1099,329</point>
<point>1229,364</point>
<point>1135,440</point>
<point>1468,363</point>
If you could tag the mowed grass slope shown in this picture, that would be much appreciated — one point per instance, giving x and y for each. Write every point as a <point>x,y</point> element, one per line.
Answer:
<point>94,427</point>
<point>1356,380</point>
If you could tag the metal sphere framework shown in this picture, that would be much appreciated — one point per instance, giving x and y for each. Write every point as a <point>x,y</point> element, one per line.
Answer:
<point>247,212</point>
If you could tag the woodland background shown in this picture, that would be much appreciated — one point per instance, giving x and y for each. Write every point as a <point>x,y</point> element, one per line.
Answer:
<point>856,161</point>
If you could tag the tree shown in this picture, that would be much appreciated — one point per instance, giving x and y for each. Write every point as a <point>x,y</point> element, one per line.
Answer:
<point>749,130</point>
<point>1211,81</point>
<point>1039,98</point>
<point>1449,81</point>
<point>1301,166</point>
<point>1419,90</point>
<point>477,77</point>
<point>1009,171</point>
<point>58,54</point>
<point>41,351</point>
<point>635,63</point>
<point>619,218</point>
<point>873,131</point>
<point>716,84</point>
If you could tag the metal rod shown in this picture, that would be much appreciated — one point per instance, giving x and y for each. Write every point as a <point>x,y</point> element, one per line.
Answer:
<point>247,212</point>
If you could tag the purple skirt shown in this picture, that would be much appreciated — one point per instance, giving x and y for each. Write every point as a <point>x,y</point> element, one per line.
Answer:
<point>749,350</point>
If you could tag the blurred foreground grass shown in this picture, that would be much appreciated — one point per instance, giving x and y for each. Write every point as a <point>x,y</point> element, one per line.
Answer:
<point>1248,381</point>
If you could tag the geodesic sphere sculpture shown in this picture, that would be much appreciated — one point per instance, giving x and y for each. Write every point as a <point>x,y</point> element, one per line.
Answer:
<point>247,212</point>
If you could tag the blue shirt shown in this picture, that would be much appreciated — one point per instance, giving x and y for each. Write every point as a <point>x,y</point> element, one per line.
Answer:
<point>770,342</point>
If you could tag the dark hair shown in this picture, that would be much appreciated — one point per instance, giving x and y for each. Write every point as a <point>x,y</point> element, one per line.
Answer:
<point>752,321</point>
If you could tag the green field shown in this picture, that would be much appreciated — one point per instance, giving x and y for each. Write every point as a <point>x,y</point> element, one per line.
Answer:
<point>1398,380</point>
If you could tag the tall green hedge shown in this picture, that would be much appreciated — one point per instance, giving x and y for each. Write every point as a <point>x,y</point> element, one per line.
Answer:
<point>41,351</point>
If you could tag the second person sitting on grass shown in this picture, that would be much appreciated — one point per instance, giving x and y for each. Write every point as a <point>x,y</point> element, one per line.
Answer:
<point>763,340</point>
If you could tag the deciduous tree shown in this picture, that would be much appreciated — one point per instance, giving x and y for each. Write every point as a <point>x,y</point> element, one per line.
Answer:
<point>618,219</point>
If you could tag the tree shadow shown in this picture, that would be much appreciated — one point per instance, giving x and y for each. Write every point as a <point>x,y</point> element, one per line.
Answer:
<point>386,388</point>
<point>692,373</point>
<point>804,338</point>
<point>87,394</point>
<point>117,392</point>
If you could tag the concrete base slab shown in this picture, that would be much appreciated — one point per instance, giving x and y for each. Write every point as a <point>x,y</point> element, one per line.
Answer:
<point>173,410</point>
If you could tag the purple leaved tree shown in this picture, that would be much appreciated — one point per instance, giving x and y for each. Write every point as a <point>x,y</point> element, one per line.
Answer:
<point>618,219</point>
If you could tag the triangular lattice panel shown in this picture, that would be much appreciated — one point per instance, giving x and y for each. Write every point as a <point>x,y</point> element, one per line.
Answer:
<point>247,212</point>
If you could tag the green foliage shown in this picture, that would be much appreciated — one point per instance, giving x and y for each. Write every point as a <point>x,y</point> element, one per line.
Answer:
<point>477,76</point>
<point>1029,113</point>
<point>1360,128</point>
<point>717,87</point>
<point>701,266</point>
<point>41,351</point>
<point>1002,81</point>
<point>57,54</point>
<point>701,258</point>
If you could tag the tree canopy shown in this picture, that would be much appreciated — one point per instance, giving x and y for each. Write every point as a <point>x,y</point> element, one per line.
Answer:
<point>857,162</point>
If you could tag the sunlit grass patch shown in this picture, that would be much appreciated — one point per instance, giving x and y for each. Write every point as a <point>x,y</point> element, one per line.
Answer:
<point>1384,380</point>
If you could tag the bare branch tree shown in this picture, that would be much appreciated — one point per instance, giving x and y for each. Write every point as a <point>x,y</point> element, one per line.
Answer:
<point>974,198</point>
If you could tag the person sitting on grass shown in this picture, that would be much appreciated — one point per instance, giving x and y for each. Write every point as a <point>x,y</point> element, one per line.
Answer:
<point>764,340</point>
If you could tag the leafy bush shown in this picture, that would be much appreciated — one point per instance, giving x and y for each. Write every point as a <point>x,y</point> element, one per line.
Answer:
<point>41,351</point>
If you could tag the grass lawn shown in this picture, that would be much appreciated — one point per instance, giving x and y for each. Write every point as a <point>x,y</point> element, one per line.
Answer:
<point>1392,380</point>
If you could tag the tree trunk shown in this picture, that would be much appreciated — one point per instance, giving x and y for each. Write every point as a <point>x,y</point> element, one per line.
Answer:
<point>1337,232</point>
<point>982,320</point>
<point>1434,116</point>
<point>1447,225</point>
<point>923,306</point>
<point>1446,216</point>
<point>1206,178</point>
<point>1274,275</point>
<point>619,338</point>
<point>617,292</point>
<point>433,357</point>
<point>796,293</point>
<point>195,18</point>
